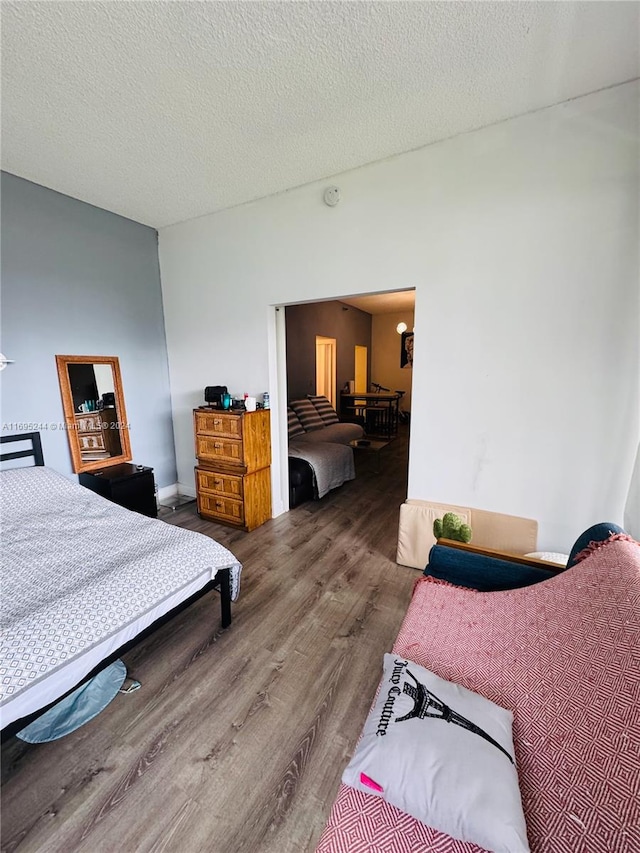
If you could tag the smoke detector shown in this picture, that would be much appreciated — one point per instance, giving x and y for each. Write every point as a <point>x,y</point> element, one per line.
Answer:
<point>331,196</point>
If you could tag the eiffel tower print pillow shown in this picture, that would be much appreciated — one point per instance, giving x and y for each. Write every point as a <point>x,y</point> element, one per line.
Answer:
<point>444,755</point>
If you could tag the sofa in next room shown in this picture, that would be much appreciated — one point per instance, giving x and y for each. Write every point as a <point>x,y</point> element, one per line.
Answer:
<point>320,458</point>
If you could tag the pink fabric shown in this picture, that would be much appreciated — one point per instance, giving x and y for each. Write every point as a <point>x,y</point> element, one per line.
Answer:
<point>597,544</point>
<point>430,579</point>
<point>564,656</point>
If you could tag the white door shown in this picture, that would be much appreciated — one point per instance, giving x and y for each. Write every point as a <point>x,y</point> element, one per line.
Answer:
<point>326,368</point>
<point>361,370</point>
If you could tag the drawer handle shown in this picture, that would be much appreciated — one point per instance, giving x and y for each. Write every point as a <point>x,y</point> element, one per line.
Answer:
<point>217,421</point>
<point>217,484</point>
<point>219,504</point>
<point>217,445</point>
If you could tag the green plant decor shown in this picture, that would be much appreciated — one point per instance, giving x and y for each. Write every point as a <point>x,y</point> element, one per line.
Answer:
<point>451,526</point>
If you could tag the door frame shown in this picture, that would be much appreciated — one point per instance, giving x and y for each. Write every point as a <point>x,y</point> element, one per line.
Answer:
<point>330,345</point>
<point>277,346</point>
<point>277,355</point>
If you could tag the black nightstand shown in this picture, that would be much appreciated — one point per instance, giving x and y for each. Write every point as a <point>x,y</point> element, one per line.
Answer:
<point>130,486</point>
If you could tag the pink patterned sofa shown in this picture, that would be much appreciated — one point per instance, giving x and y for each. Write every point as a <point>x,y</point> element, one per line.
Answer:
<point>564,656</point>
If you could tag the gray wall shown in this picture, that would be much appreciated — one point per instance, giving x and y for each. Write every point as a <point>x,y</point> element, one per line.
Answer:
<point>348,325</point>
<point>77,280</point>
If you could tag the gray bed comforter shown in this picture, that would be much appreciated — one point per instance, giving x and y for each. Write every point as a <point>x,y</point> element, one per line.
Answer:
<point>76,568</point>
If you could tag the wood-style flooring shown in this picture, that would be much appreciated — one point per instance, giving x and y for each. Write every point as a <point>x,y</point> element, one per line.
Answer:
<point>237,739</point>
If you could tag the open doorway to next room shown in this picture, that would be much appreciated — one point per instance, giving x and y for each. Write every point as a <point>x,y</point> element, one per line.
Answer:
<point>357,352</point>
<point>364,340</point>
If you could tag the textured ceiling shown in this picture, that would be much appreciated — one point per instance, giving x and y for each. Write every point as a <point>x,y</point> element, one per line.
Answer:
<point>384,303</point>
<point>163,111</point>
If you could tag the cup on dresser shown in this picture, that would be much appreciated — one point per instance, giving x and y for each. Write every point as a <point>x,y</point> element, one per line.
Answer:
<point>250,404</point>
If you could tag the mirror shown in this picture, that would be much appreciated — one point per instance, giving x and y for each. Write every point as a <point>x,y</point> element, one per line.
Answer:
<point>93,403</point>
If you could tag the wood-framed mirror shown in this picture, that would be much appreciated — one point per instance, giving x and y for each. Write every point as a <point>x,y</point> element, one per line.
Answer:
<point>94,411</point>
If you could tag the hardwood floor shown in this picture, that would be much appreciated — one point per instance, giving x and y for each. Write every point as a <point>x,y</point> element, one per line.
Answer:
<point>237,739</point>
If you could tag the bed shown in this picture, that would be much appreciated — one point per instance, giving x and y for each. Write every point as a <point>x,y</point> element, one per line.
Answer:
<point>564,656</point>
<point>81,577</point>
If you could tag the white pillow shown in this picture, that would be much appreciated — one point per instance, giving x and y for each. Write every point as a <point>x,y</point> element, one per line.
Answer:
<point>550,557</point>
<point>443,755</point>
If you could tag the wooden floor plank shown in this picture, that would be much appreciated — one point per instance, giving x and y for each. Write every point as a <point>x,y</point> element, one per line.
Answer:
<point>238,738</point>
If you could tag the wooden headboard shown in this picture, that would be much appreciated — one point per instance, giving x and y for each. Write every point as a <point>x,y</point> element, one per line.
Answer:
<point>35,450</point>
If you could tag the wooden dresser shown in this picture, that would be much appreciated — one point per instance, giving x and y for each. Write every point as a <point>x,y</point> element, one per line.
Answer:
<point>98,434</point>
<point>233,474</point>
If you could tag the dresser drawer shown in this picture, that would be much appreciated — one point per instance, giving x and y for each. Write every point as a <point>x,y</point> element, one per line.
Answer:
<point>218,423</point>
<point>222,508</point>
<point>227,450</point>
<point>89,423</point>
<point>219,484</point>
<point>91,441</point>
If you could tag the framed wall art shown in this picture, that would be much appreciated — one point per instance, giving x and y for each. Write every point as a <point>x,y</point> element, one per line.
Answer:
<point>406,350</point>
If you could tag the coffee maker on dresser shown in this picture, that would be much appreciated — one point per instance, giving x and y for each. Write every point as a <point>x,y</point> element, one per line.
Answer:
<point>215,397</point>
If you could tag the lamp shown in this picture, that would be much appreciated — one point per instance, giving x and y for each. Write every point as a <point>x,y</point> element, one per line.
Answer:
<point>401,327</point>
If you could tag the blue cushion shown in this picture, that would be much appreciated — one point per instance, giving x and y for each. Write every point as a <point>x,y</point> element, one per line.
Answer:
<point>598,533</point>
<point>486,574</point>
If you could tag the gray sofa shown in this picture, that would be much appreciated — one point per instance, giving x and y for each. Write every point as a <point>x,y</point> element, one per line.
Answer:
<point>320,458</point>
<point>340,433</point>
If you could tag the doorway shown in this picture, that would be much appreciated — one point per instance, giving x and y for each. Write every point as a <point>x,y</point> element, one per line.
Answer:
<point>361,365</point>
<point>294,357</point>
<point>326,368</point>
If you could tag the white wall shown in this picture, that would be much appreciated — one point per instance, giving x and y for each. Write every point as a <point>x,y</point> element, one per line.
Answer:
<point>522,243</point>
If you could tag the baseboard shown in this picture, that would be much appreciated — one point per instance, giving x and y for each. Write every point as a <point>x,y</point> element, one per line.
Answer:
<point>182,489</point>
<point>168,492</point>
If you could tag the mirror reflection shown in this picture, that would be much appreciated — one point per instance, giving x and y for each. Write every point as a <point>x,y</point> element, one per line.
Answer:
<point>95,413</point>
<point>93,403</point>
